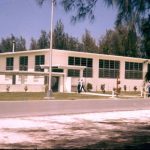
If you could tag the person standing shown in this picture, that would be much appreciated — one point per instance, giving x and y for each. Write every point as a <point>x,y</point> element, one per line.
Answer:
<point>79,86</point>
<point>82,86</point>
<point>148,88</point>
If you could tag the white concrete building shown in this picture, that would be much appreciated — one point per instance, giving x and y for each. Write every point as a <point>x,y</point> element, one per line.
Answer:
<point>20,71</point>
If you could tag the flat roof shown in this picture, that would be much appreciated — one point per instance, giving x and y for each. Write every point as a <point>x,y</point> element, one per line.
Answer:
<point>73,52</point>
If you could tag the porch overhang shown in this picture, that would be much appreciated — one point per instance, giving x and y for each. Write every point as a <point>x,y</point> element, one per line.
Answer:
<point>30,73</point>
<point>64,67</point>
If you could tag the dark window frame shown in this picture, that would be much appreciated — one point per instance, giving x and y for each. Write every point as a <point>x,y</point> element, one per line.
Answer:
<point>9,63</point>
<point>133,70</point>
<point>82,61</point>
<point>109,68</point>
<point>23,63</point>
<point>73,73</point>
<point>39,60</point>
<point>71,61</point>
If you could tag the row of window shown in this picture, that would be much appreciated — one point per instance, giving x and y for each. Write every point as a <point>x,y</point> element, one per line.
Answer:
<point>85,62</point>
<point>23,63</point>
<point>77,61</point>
<point>107,68</point>
<point>133,70</point>
<point>110,69</point>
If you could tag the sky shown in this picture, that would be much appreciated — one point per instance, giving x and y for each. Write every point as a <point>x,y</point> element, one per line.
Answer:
<point>26,18</point>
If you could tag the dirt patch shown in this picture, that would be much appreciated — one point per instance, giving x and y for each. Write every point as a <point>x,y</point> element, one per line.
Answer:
<point>77,132</point>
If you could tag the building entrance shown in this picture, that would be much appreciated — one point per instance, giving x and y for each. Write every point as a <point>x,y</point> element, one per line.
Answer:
<point>13,79</point>
<point>55,84</point>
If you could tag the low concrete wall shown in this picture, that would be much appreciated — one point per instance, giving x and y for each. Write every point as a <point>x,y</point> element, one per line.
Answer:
<point>21,88</point>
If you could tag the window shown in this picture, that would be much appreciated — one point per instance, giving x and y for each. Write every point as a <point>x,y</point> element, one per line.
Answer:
<point>83,61</point>
<point>56,69</point>
<point>133,70</point>
<point>106,63</point>
<point>87,72</point>
<point>77,61</point>
<point>89,63</point>
<point>23,63</point>
<point>109,68</point>
<point>71,61</point>
<point>39,60</point>
<point>9,63</point>
<point>73,73</point>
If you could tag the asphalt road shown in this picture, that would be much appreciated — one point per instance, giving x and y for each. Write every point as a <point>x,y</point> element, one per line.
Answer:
<point>59,107</point>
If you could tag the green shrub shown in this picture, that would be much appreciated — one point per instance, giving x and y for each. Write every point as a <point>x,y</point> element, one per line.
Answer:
<point>135,88</point>
<point>46,88</point>
<point>125,88</point>
<point>103,88</point>
<point>89,87</point>
<point>26,88</point>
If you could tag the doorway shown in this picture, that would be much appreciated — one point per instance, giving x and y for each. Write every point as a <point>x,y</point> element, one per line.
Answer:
<point>55,84</point>
<point>13,79</point>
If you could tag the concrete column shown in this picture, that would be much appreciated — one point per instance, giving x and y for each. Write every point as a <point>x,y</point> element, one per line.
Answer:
<point>61,84</point>
<point>95,74</point>
<point>81,73</point>
<point>31,62</point>
<point>16,62</point>
<point>95,68</point>
<point>122,72</point>
<point>145,69</point>
<point>65,80</point>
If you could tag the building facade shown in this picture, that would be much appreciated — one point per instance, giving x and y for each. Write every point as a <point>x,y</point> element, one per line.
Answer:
<point>28,71</point>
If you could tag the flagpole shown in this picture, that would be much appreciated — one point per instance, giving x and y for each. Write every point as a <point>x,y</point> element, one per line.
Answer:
<point>49,92</point>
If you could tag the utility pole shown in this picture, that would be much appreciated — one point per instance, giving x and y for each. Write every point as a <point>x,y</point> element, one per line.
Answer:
<point>49,92</point>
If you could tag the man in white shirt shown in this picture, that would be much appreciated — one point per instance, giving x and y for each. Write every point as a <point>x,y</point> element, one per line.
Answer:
<point>79,86</point>
<point>82,86</point>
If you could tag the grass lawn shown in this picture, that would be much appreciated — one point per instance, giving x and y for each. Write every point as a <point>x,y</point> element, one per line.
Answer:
<point>61,96</point>
<point>41,95</point>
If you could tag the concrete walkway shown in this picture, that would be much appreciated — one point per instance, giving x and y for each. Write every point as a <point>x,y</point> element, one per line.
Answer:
<point>97,94</point>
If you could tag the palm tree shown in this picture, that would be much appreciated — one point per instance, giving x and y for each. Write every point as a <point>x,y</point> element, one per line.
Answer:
<point>130,12</point>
